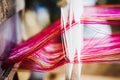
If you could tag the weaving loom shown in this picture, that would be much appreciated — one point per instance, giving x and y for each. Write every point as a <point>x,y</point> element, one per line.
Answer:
<point>66,42</point>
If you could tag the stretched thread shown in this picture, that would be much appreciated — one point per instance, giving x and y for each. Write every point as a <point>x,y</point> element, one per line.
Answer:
<point>33,51</point>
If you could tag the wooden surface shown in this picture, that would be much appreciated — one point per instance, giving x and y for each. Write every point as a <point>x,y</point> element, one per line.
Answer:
<point>95,71</point>
<point>88,77</point>
<point>25,74</point>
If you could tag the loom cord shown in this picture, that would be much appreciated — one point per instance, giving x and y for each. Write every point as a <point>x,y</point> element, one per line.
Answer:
<point>33,52</point>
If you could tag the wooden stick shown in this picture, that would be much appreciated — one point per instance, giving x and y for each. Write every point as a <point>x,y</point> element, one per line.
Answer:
<point>9,73</point>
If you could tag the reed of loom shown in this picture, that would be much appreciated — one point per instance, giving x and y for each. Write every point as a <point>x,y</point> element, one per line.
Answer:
<point>74,42</point>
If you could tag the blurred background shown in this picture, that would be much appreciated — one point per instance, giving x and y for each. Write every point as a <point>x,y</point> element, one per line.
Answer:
<point>35,15</point>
